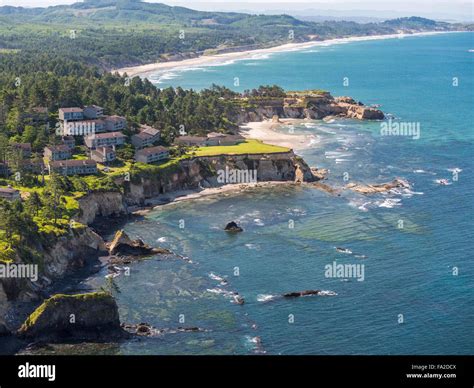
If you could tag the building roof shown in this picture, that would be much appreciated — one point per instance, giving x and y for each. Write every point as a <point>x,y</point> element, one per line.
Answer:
<point>151,150</point>
<point>150,130</point>
<point>73,163</point>
<point>23,146</point>
<point>115,118</point>
<point>102,150</point>
<point>8,190</point>
<point>106,135</point>
<point>191,139</point>
<point>143,135</point>
<point>216,134</point>
<point>71,110</point>
<point>58,148</point>
<point>96,107</point>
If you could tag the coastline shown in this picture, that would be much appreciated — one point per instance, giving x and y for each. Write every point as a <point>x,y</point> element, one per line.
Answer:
<point>220,59</point>
<point>265,132</point>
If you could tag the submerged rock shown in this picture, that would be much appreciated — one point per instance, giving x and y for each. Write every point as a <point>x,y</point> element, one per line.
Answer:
<point>122,244</point>
<point>301,293</point>
<point>378,188</point>
<point>233,227</point>
<point>92,316</point>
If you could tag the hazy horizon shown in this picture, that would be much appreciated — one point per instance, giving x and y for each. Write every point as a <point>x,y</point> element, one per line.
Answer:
<point>459,10</point>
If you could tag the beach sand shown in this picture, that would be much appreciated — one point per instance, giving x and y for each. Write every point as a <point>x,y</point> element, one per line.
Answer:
<point>212,60</point>
<point>265,131</point>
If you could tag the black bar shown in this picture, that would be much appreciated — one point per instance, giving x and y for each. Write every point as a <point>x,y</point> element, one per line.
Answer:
<point>321,371</point>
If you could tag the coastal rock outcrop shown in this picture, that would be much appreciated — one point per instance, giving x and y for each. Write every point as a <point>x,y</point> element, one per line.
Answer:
<point>123,245</point>
<point>199,172</point>
<point>305,105</point>
<point>378,188</point>
<point>298,294</point>
<point>92,316</point>
<point>101,204</point>
<point>233,227</point>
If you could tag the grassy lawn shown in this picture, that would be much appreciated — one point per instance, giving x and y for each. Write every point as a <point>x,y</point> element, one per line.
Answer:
<point>248,147</point>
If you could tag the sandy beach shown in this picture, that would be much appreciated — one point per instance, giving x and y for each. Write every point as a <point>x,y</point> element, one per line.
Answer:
<point>213,60</point>
<point>265,131</point>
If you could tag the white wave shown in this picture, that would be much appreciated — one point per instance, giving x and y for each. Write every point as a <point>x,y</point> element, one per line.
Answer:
<point>343,250</point>
<point>443,182</point>
<point>390,203</point>
<point>327,293</point>
<point>220,279</point>
<point>258,222</point>
<point>266,297</point>
<point>252,246</point>
<point>162,239</point>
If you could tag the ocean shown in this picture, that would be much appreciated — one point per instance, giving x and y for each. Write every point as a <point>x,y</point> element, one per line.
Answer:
<point>413,245</point>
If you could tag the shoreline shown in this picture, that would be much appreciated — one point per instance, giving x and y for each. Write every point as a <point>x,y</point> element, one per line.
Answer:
<point>265,132</point>
<point>221,59</point>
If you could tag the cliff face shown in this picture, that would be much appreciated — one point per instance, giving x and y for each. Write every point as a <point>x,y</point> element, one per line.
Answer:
<point>306,107</point>
<point>203,172</point>
<point>100,204</point>
<point>73,251</point>
<point>68,254</point>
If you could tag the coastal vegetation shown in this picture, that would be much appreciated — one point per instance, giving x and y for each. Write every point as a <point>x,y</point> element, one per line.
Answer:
<point>250,146</point>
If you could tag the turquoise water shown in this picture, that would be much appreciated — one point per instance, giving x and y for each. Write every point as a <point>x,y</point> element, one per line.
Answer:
<point>408,271</point>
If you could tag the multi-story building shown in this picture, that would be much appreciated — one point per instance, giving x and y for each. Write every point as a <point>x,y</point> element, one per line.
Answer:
<point>115,123</point>
<point>23,148</point>
<point>57,152</point>
<point>70,114</point>
<point>103,154</point>
<point>107,139</point>
<point>69,141</point>
<point>93,112</point>
<point>151,154</point>
<point>146,137</point>
<point>191,141</point>
<point>73,167</point>
<point>9,193</point>
<point>83,127</point>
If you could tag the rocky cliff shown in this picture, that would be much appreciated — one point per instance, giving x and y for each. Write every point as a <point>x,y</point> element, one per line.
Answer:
<point>100,204</point>
<point>304,105</point>
<point>202,172</point>
<point>91,316</point>
<point>69,253</point>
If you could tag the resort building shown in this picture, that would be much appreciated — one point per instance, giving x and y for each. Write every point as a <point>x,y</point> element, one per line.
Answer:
<point>9,193</point>
<point>103,155</point>
<point>70,114</point>
<point>152,154</point>
<point>73,167</point>
<point>23,148</point>
<point>57,152</point>
<point>198,141</point>
<point>93,112</point>
<point>36,115</point>
<point>104,140</point>
<point>146,137</point>
<point>69,141</point>
<point>83,127</point>
<point>115,123</point>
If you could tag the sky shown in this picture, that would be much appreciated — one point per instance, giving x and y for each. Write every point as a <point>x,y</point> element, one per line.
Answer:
<point>436,9</point>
